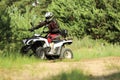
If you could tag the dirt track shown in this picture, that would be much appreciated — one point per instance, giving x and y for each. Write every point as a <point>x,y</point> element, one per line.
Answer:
<point>42,70</point>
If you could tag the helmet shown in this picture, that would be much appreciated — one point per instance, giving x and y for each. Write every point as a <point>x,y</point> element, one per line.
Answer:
<point>49,16</point>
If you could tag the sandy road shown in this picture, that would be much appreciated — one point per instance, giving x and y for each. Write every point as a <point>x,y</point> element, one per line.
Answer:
<point>42,70</point>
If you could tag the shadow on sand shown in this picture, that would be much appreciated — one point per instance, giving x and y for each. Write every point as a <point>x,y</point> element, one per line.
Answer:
<point>78,75</point>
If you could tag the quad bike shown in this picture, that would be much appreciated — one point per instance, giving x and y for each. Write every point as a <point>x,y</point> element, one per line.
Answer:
<point>40,47</point>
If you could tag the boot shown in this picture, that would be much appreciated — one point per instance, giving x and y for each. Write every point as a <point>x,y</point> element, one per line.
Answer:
<point>52,48</point>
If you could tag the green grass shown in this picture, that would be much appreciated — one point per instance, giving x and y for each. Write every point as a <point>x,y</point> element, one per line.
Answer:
<point>16,61</point>
<point>82,49</point>
<point>88,48</point>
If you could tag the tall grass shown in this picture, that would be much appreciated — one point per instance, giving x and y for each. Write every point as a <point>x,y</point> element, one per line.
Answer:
<point>16,60</point>
<point>82,49</point>
<point>10,57</point>
<point>88,48</point>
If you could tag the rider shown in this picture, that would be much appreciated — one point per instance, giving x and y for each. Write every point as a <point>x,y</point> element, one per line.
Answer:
<point>51,23</point>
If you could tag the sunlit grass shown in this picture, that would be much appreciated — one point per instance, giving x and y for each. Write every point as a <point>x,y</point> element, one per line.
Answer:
<point>82,49</point>
<point>88,48</point>
<point>16,61</point>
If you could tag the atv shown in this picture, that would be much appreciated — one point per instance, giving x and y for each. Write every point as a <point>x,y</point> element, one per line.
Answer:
<point>40,47</point>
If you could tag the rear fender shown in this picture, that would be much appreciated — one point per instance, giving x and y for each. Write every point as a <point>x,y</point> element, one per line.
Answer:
<point>67,42</point>
<point>62,43</point>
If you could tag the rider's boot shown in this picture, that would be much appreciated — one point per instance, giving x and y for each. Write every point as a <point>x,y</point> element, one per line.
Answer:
<point>52,48</point>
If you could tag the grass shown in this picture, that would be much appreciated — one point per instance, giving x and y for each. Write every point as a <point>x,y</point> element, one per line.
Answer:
<point>88,48</point>
<point>16,61</point>
<point>82,49</point>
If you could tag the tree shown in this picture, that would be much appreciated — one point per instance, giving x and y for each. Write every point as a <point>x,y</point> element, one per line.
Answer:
<point>97,18</point>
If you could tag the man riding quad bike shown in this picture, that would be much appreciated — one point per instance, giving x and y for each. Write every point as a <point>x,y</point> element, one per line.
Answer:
<point>51,46</point>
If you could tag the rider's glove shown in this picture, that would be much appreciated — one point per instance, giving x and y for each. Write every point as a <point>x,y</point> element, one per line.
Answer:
<point>31,29</point>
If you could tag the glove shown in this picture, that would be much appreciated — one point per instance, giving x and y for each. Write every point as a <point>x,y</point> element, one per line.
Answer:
<point>31,29</point>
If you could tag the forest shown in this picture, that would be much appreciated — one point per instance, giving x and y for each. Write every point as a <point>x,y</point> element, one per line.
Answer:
<point>98,19</point>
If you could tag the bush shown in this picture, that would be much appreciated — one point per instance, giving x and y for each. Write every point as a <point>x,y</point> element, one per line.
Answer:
<point>99,19</point>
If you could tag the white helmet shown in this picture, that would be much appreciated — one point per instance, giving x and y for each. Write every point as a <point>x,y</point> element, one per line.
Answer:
<point>49,16</point>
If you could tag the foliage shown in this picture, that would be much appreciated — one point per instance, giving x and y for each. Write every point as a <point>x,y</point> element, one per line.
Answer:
<point>5,32</point>
<point>99,19</point>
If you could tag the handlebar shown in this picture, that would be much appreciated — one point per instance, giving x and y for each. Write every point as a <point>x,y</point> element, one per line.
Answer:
<point>43,31</point>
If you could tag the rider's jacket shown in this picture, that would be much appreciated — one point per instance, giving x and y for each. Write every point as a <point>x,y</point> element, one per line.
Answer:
<point>52,26</point>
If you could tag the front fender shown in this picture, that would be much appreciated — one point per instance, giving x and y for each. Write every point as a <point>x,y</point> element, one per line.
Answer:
<point>34,40</point>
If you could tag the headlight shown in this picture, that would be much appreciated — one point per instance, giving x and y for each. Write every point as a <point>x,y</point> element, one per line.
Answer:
<point>28,41</point>
<point>24,41</point>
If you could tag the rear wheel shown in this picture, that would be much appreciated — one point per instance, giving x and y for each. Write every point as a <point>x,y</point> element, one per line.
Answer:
<point>40,53</point>
<point>66,54</point>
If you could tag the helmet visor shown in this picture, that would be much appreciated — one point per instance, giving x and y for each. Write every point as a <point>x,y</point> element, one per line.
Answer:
<point>48,17</point>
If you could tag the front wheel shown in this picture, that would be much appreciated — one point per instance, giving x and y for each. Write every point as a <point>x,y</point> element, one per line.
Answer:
<point>66,54</point>
<point>24,50</point>
<point>40,53</point>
